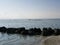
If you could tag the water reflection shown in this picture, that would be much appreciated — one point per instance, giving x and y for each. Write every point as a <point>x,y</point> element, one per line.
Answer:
<point>15,39</point>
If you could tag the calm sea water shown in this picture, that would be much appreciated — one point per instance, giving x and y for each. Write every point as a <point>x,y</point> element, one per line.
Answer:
<point>31,23</point>
<point>15,39</point>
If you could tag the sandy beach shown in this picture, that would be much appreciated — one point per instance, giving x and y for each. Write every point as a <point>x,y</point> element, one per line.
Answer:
<point>52,40</point>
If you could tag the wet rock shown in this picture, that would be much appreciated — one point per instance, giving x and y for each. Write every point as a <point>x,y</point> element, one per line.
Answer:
<point>57,31</point>
<point>11,30</point>
<point>35,31</point>
<point>20,30</point>
<point>3,29</point>
<point>32,31</point>
<point>48,31</point>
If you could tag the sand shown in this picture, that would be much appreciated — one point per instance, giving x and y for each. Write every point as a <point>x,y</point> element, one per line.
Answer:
<point>52,40</point>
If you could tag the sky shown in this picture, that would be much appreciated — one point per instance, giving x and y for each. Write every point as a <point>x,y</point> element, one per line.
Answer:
<point>29,9</point>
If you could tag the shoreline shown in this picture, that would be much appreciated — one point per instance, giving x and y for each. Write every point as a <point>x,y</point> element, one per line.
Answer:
<point>53,40</point>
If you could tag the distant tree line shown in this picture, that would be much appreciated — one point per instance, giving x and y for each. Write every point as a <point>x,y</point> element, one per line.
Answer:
<point>32,31</point>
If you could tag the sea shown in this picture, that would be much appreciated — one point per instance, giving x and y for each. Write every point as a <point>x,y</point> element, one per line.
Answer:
<point>16,39</point>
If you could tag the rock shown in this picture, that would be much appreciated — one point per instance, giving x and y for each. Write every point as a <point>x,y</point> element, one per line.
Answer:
<point>48,31</point>
<point>3,29</point>
<point>57,31</point>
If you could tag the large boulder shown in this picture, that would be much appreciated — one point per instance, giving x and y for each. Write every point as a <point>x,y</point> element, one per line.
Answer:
<point>48,31</point>
<point>37,31</point>
<point>25,32</point>
<point>11,30</point>
<point>20,30</point>
<point>34,31</point>
<point>57,31</point>
<point>3,29</point>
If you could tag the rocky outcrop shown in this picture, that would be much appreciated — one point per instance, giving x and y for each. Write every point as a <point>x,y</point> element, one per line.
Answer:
<point>32,31</point>
<point>57,31</point>
<point>48,31</point>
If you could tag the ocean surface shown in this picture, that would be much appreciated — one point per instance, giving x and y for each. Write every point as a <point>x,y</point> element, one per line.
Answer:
<point>15,39</point>
<point>31,23</point>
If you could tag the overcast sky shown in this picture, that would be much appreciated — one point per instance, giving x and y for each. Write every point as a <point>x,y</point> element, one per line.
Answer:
<point>29,9</point>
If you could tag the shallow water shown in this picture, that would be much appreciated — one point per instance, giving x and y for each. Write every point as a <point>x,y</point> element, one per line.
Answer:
<point>14,39</point>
